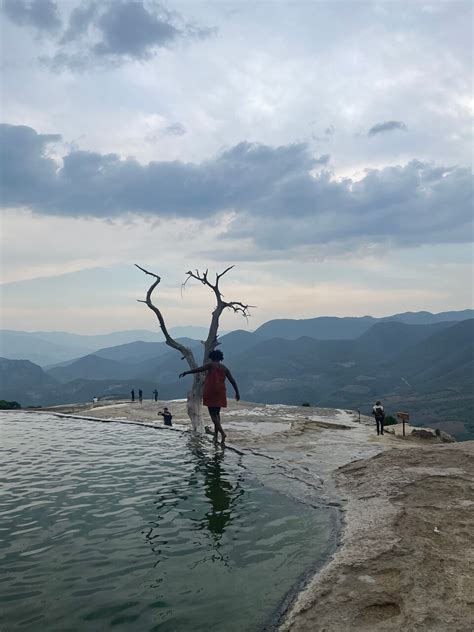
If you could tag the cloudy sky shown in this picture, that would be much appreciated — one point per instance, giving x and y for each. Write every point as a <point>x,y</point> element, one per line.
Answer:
<point>324,148</point>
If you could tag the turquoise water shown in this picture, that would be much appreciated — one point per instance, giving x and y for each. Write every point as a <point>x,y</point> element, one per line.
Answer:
<point>125,527</point>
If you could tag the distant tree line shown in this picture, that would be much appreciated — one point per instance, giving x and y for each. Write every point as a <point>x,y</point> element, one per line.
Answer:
<point>4,405</point>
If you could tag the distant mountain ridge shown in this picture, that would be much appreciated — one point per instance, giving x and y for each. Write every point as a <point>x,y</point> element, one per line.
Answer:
<point>322,328</point>
<point>425,318</point>
<point>49,348</point>
<point>427,369</point>
<point>27,383</point>
<point>346,328</point>
<point>90,367</point>
<point>20,345</point>
<point>133,352</point>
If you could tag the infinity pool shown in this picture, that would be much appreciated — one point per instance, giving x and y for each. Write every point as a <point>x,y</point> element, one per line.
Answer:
<point>126,527</point>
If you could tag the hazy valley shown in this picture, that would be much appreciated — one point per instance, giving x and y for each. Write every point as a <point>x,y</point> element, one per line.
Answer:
<point>419,362</point>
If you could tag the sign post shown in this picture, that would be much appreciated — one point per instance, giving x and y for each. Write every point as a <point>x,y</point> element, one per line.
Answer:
<point>404,417</point>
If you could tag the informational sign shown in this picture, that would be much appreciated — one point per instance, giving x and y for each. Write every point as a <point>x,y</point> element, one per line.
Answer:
<point>404,417</point>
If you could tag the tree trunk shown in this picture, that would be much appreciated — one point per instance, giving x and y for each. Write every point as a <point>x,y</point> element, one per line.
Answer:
<point>194,398</point>
<point>194,404</point>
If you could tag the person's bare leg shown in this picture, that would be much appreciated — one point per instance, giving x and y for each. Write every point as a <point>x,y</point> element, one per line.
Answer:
<point>219,427</point>
<point>216,420</point>
<point>212,415</point>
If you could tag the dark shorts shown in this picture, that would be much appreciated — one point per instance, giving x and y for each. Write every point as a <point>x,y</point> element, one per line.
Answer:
<point>214,410</point>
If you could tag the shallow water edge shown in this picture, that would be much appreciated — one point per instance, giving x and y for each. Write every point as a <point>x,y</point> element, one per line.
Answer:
<point>271,478</point>
<point>329,499</point>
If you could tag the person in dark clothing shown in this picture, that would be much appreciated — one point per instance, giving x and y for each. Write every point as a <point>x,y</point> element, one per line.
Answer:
<point>155,393</point>
<point>167,416</point>
<point>379,413</point>
<point>132,393</point>
<point>140,395</point>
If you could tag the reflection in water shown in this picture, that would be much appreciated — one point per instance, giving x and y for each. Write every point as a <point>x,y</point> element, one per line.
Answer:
<point>221,493</point>
<point>208,479</point>
<point>155,532</point>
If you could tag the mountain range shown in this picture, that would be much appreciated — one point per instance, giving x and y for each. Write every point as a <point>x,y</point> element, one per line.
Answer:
<point>426,368</point>
<point>47,348</point>
<point>332,328</point>
<point>52,347</point>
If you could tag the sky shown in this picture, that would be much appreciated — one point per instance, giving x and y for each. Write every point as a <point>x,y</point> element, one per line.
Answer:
<point>323,148</point>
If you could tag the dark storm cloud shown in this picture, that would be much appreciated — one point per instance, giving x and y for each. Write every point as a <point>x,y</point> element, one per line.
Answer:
<point>387,126</point>
<point>410,205</point>
<point>90,183</point>
<point>106,33</point>
<point>281,195</point>
<point>80,19</point>
<point>40,14</point>
<point>26,171</point>
<point>129,28</point>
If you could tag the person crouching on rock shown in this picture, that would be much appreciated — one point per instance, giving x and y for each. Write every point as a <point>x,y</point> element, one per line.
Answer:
<point>379,414</point>
<point>214,395</point>
<point>167,416</point>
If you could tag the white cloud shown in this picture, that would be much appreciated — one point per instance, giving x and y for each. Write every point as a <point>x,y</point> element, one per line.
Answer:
<point>33,246</point>
<point>279,75</point>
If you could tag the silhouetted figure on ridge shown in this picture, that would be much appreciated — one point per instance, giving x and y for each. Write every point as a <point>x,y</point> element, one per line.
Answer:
<point>379,413</point>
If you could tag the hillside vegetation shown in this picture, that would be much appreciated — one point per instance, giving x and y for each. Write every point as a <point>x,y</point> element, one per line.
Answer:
<point>426,369</point>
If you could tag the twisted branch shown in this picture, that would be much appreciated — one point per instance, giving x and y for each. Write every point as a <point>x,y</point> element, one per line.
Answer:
<point>203,278</point>
<point>236,306</point>
<point>170,341</point>
<point>212,340</point>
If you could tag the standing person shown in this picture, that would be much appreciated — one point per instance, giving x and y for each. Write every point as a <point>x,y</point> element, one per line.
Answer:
<point>214,396</point>
<point>140,395</point>
<point>132,393</point>
<point>167,416</point>
<point>155,393</point>
<point>379,413</point>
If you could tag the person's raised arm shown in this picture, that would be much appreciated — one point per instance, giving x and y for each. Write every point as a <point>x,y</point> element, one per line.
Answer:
<point>230,377</point>
<point>199,369</point>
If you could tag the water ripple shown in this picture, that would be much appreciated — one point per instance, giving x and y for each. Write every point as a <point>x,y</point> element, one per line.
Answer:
<point>118,526</point>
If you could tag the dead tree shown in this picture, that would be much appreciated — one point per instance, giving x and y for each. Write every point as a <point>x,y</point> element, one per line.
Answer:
<point>194,397</point>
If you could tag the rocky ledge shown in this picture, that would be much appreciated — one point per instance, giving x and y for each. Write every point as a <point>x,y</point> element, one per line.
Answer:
<point>406,556</point>
<point>406,551</point>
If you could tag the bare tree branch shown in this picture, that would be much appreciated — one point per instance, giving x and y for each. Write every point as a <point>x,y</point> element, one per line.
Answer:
<point>195,395</point>
<point>221,304</point>
<point>170,341</point>
<point>219,276</point>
